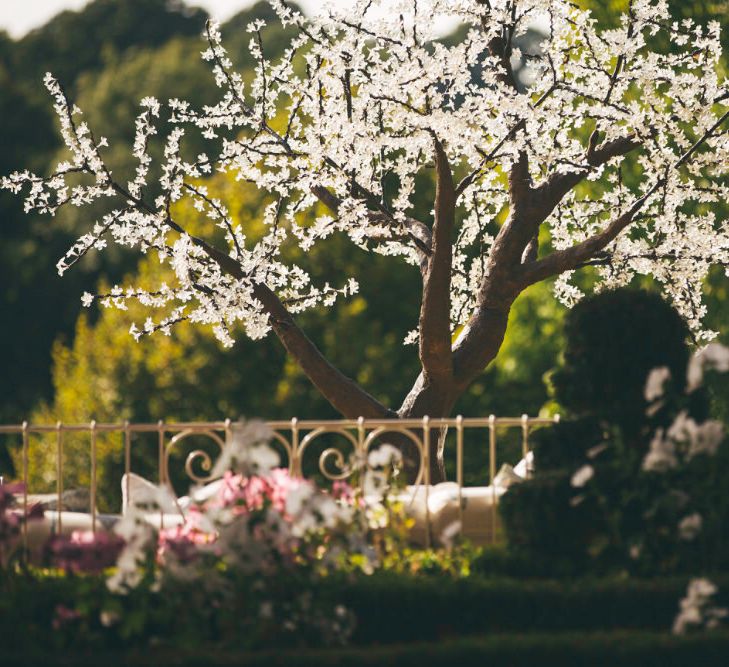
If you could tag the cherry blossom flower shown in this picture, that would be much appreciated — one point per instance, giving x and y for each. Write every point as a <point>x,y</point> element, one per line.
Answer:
<point>369,100</point>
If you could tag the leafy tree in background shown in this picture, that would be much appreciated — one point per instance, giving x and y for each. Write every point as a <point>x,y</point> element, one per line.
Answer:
<point>357,136</point>
<point>27,138</point>
<point>75,42</point>
<point>112,64</point>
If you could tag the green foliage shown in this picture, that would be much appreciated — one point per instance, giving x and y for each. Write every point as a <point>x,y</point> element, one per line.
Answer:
<point>130,49</point>
<point>628,649</point>
<point>106,25</point>
<point>27,138</point>
<point>621,516</point>
<point>391,609</point>
<point>704,11</point>
<point>612,342</point>
<point>35,305</point>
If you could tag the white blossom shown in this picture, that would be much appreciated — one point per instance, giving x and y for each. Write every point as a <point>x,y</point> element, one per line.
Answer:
<point>683,440</point>
<point>712,357</point>
<point>450,532</point>
<point>385,456</point>
<point>661,454</point>
<point>582,476</point>
<point>696,609</point>
<point>690,526</point>
<point>706,438</point>
<point>361,100</point>
<point>654,386</point>
<point>248,450</point>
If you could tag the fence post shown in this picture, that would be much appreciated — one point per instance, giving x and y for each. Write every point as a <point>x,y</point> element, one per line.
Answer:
<point>93,476</point>
<point>127,461</point>
<point>25,489</point>
<point>162,474</point>
<point>492,474</point>
<point>524,435</point>
<point>426,469</point>
<point>59,474</point>
<point>295,463</point>
<point>459,467</point>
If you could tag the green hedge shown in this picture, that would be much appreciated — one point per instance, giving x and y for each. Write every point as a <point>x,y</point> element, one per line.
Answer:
<point>626,649</point>
<point>392,608</point>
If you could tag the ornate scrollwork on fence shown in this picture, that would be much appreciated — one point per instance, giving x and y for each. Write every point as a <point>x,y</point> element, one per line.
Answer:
<point>199,456</point>
<point>376,433</point>
<point>287,446</point>
<point>331,455</point>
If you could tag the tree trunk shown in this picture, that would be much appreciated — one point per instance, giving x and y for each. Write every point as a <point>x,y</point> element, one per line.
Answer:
<point>475,349</point>
<point>429,400</point>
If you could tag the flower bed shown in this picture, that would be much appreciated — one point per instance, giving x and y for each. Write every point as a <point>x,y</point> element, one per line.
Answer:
<point>264,560</point>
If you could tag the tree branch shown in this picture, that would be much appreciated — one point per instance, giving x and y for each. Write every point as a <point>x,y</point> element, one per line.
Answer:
<point>342,392</point>
<point>435,309</point>
<point>517,240</point>
<point>415,231</point>
<point>558,185</point>
<point>345,395</point>
<point>571,258</point>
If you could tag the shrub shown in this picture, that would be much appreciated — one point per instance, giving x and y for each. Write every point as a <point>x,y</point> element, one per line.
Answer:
<point>390,609</point>
<point>632,482</point>
<point>612,341</point>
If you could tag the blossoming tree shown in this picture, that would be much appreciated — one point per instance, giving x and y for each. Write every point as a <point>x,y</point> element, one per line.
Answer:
<point>602,150</point>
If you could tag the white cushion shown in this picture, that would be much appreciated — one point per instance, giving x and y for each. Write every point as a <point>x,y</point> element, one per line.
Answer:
<point>144,492</point>
<point>525,467</point>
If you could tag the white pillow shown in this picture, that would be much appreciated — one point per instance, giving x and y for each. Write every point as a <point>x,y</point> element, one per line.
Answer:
<point>525,467</point>
<point>507,476</point>
<point>142,491</point>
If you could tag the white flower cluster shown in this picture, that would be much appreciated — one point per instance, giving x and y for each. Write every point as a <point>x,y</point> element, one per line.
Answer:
<point>697,610</point>
<point>139,537</point>
<point>685,438</point>
<point>248,451</point>
<point>254,517</point>
<point>582,475</point>
<point>348,116</point>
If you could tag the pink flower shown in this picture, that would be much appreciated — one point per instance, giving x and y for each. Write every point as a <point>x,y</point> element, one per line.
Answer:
<point>86,552</point>
<point>343,491</point>
<point>249,494</point>
<point>11,518</point>
<point>183,541</point>
<point>63,616</point>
